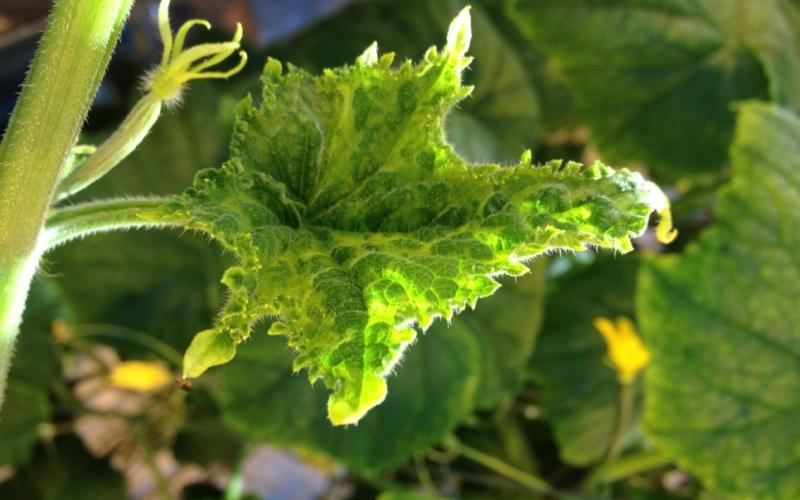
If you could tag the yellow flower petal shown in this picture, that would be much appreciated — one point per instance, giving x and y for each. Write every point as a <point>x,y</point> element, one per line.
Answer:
<point>626,353</point>
<point>140,376</point>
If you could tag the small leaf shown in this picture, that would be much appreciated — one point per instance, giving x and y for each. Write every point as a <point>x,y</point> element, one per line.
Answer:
<point>459,35</point>
<point>721,322</point>
<point>209,348</point>
<point>355,222</point>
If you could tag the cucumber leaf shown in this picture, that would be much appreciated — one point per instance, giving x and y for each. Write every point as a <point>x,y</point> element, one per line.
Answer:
<point>580,392</point>
<point>25,409</point>
<point>505,327</point>
<point>721,322</point>
<point>656,79</point>
<point>354,221</point>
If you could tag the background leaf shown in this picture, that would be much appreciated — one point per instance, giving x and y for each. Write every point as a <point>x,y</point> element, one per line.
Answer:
<point>580,392</point>
<point>36,358</point>
<point>656,80</point>
<point>505,327</point>
<point>432,391</point>
<point>35,371</point>
<point>25,410</point>
<point>64,470</point>
<point>721,321</point>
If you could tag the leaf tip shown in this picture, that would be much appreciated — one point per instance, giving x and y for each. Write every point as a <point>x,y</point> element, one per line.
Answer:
<point>369,57</point>
<point>526,158</point>
<point>459,35</point>
<point>346,408</point>
<point>208,348</point>
<point>273,68</point>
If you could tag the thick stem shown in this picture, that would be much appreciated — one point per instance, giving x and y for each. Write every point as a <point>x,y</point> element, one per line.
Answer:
<point>71,60</point>
<point>87,219</point>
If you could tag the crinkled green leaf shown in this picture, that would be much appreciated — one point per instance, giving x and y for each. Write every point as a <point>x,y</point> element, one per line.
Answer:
<point>434,390</point>
<point>501,118</point>
<point>656,78</point>
<point>721,322</point>
<point>354,221</point>
<point>580,391</point>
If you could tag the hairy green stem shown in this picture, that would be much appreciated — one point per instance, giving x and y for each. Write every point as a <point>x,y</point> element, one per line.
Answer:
<point>87,219</point>
<point>69,65</point>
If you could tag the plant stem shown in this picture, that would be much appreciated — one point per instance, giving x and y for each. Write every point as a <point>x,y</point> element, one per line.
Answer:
<point>626,397</point>
<point>87,219</point>
<point>628,466</point>
<point>424,475</point>
<point>72,58</point>
<point>530,481</point>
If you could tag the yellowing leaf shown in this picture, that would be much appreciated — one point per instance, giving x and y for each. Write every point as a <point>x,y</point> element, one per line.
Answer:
<point>355,224</point>
<point>721,320</point>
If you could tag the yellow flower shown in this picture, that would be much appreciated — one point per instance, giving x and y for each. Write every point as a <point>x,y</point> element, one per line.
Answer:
<point>140,376</point>
<point>626,353</point>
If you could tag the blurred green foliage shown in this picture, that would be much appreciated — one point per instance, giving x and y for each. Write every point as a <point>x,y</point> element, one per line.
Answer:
<point>657,85</point>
